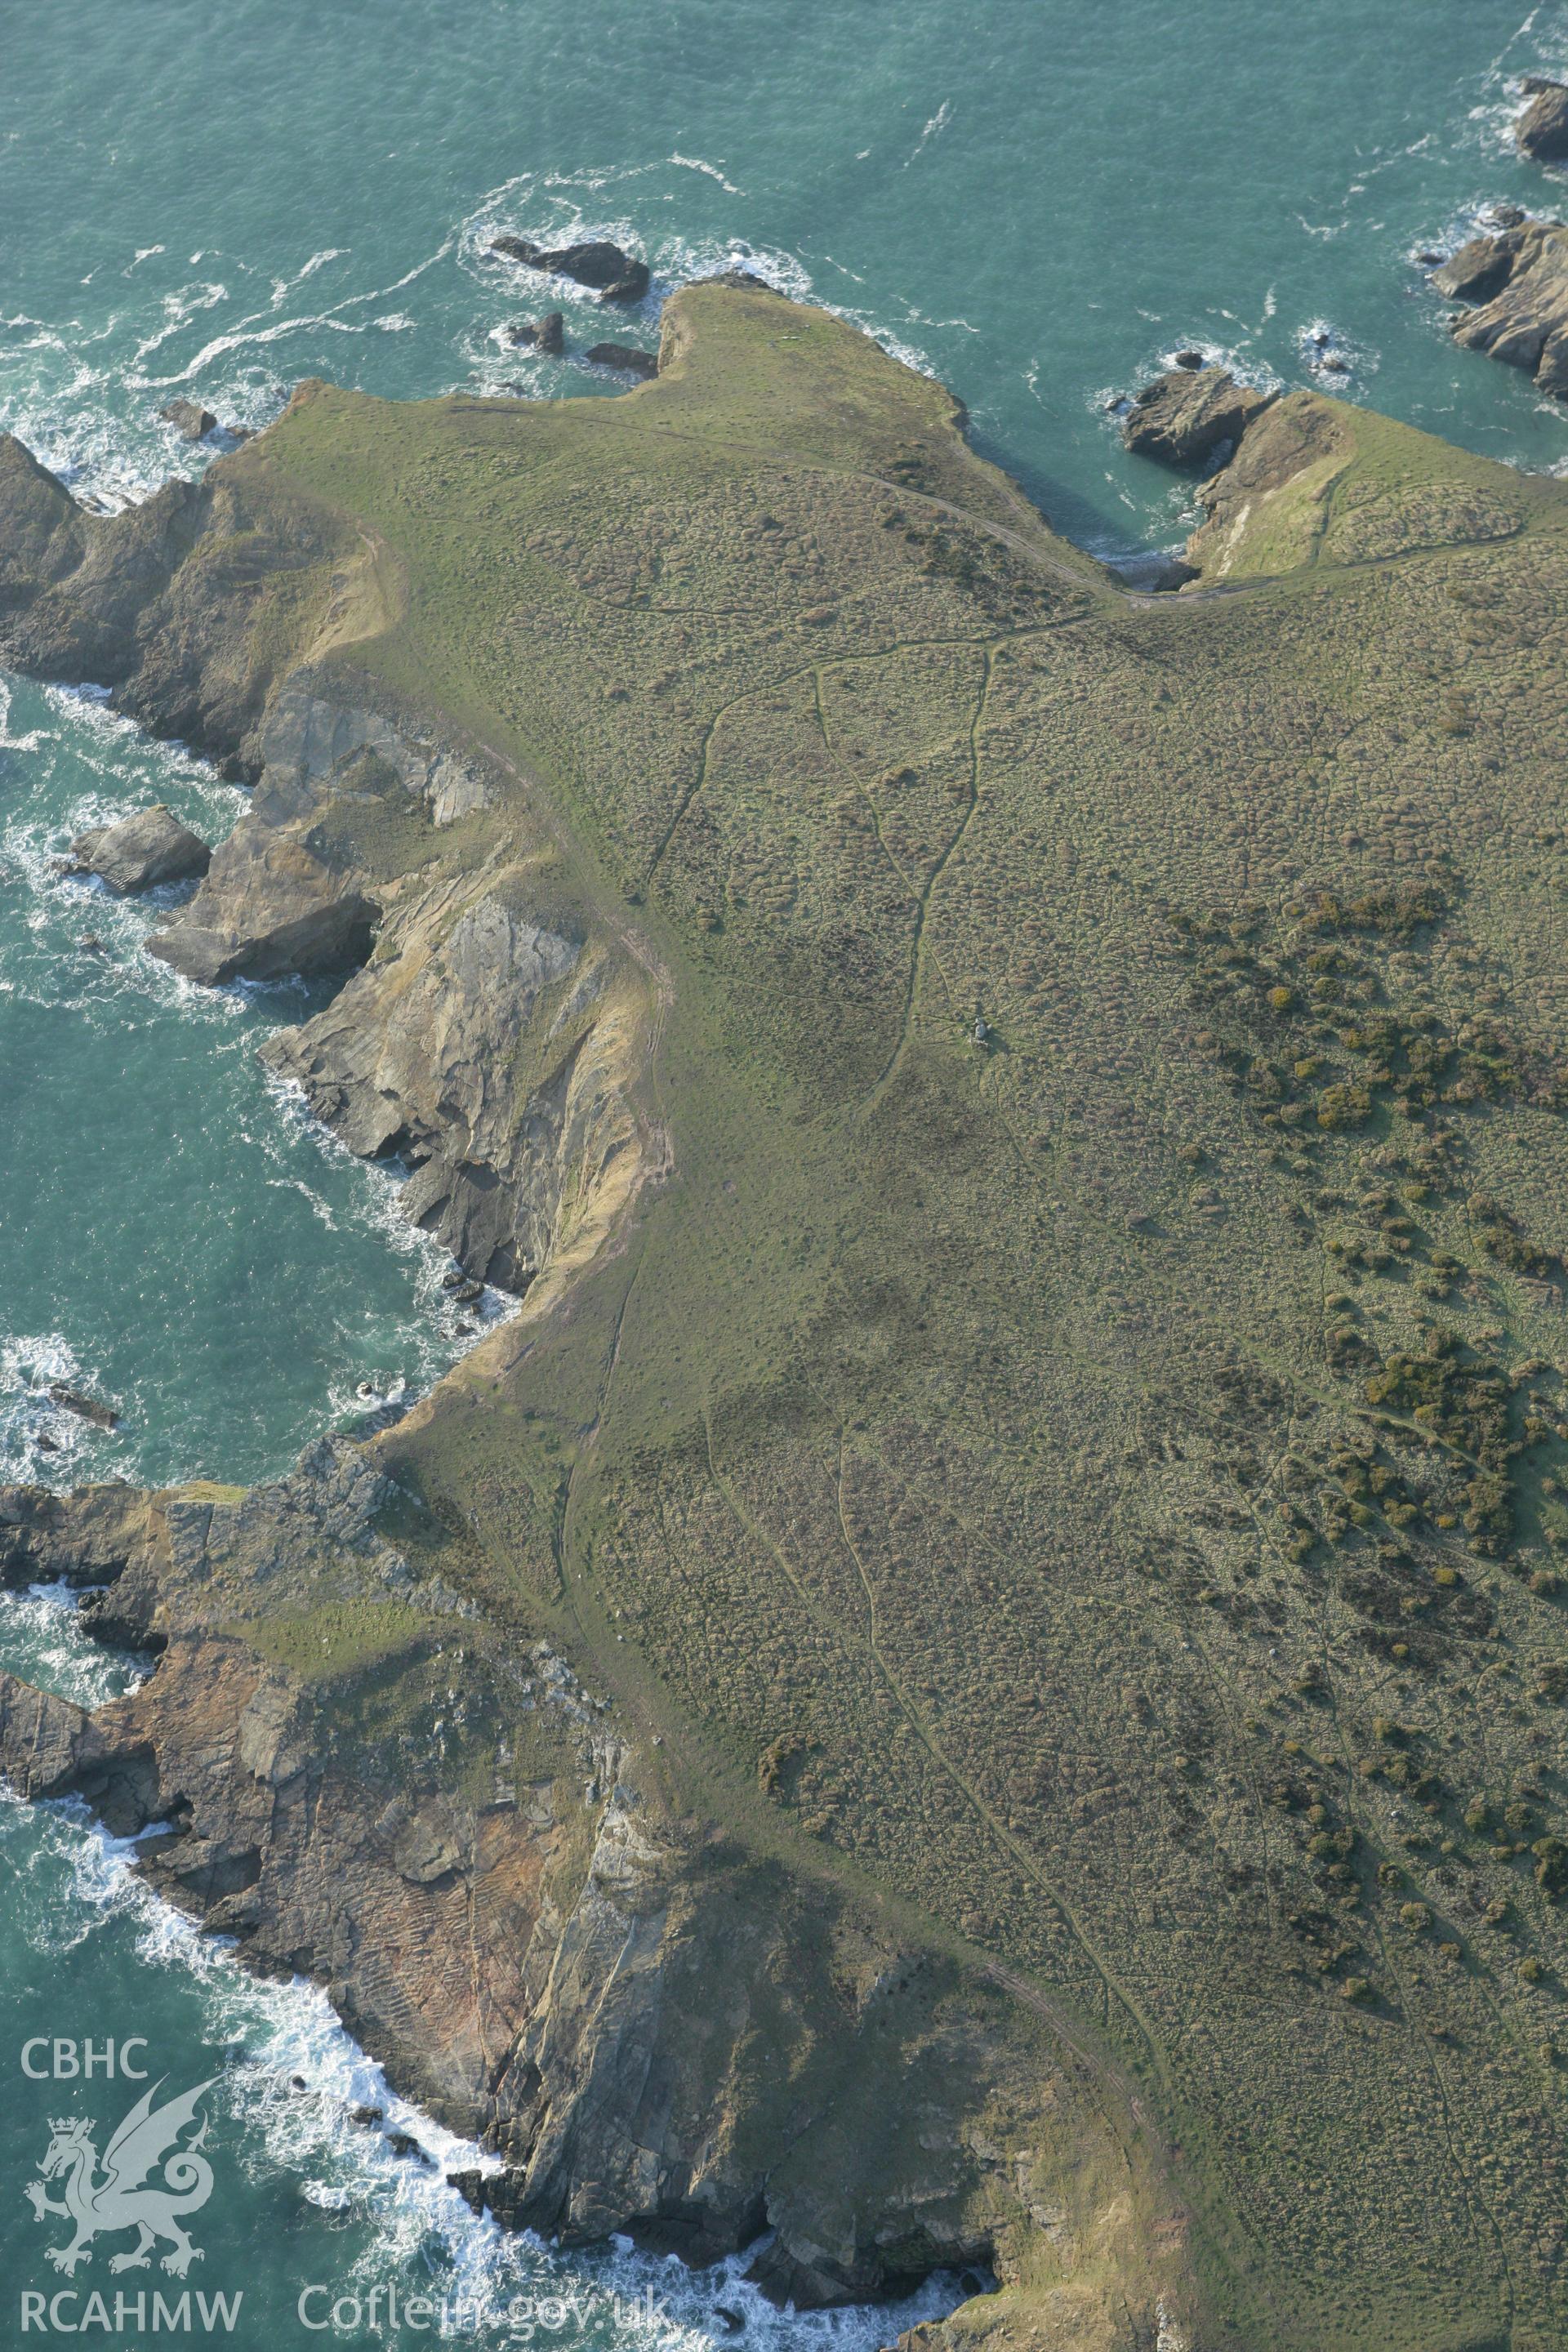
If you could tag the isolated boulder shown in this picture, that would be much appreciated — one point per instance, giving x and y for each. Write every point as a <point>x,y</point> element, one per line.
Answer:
<point>1182,417</point>
<point>624,355</point>
<point>614,276</point>
<point>151,846</point>
<point>192,421</point>
<point>547,335</point>
<point>1542,130</point>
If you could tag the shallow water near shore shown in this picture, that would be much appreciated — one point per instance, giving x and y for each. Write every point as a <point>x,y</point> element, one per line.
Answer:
<point>1041,212</point>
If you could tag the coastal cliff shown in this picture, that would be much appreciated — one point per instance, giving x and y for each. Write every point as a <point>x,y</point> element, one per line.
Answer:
<point>365,1781</point>
<point>976,1673</point>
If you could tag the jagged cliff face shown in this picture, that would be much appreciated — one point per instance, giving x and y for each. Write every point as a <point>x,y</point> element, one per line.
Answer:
<point>1062,1513</point>
<point>487,1048</point>
<point>364,1782</point>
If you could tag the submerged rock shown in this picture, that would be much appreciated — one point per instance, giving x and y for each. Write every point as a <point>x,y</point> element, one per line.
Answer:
<point>1542,130</point>
<point>1518,279</point>
<point>626,356</point>
<point>1182,417</point>
<point>547,335</point>
<point>614,276</point>
<point>191,421</point>
<point>150,847</point>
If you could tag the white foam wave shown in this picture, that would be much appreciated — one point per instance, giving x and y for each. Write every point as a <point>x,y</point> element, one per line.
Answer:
<point>289,2095</point>
<point>446,1330</point>
<point>179,309</point>
<point>41,1640</point>
<point>40,1442</point>
<point>711,171</point>
<point>304,2100</point>
<point>319,261</point>
<point>933,130</point>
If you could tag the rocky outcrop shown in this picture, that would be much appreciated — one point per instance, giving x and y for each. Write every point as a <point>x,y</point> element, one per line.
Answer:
<point>626,356</point>
<point>289,890</point>
<point>461,1840</point>
<point>1298,441</point>
<point>1542,130</point>
<point>46,530</point>
<point>494,1051</point>
<point>190,420</point>
<point>141,850</point>
<point>86,1538</point>
<point>271,907</point>
<point>185,605</point>
<point>421,1054</point>
<point>547,335</point>
<point>51,1748</point>
<point>1480,267</point>
<point>1185,417</point>
<point>86,1408</point>
<point>614,276</point>
<point>1518,279</point>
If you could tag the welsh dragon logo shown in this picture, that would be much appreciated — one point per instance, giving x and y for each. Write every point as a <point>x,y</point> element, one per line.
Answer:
<point>115,2199</point>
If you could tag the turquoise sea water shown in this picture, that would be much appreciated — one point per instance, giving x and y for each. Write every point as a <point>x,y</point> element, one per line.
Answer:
<point>1039,203</point>
<point>182,1240</point>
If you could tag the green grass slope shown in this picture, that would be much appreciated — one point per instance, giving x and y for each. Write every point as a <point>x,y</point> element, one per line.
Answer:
<point>1102,1485</point>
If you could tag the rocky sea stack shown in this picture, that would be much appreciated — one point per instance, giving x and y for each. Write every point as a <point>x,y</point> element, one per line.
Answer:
<point>627,357</point>
<point>547,335</point>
